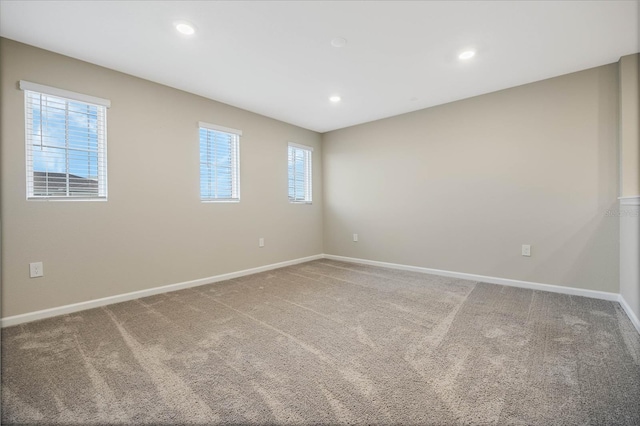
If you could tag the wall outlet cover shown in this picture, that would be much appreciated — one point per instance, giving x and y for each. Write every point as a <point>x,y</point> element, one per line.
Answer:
<point>36,270</point>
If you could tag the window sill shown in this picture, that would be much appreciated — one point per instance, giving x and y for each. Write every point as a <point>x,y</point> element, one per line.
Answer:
<point>219,201</point>
<point>66,199</point>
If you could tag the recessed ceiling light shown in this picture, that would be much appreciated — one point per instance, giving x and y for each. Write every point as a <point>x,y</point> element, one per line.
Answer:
<point>467,54</point>
<point>185,28</point>
<point>335,99</point>
<point>339,42</point>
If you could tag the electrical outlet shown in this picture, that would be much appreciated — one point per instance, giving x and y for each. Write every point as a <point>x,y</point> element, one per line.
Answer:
<point>355,238</point>
<point>526,250</point>
<point>36,270</point>
<point>261,242</point>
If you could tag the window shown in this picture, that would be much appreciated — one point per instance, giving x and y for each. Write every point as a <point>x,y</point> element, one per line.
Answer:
<point>66,138</point>
<point>219,163</point>
<point>300,173</point>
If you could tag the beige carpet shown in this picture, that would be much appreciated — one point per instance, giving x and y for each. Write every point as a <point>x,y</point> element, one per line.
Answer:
<point>327,342</point>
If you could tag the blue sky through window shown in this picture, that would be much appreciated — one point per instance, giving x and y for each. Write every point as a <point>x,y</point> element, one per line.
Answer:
<point>65,136</point>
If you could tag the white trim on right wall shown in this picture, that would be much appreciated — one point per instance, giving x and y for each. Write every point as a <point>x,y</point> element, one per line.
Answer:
<point>632,316</point>
<point>629,214</point>
<point>630,201</point>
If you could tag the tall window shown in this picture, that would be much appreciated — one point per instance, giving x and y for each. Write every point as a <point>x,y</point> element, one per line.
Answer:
<point>219,163</point>
<point>300,173</point>
<point>66,144</point>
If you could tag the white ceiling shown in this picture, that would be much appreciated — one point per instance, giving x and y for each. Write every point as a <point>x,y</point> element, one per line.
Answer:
<point>276,58</point>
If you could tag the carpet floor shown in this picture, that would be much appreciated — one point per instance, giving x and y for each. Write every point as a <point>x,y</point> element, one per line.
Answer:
<point>327,342</point>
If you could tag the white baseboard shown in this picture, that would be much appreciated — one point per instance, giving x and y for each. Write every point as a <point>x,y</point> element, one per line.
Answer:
<point>632,316</point>
<point>89,304</point>
<point>81,306</point>
<point>486,279</point>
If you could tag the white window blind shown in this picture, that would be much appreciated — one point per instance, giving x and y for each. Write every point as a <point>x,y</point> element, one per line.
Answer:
<point>300,182</point>
<point>65,144</point>
<point>219,163</point>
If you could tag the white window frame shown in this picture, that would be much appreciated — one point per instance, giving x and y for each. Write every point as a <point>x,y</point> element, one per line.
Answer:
<point>66,95</point>
<point>308,173</point>
<point>235,162</point>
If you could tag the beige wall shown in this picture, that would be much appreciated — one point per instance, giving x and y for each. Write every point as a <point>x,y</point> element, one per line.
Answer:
<point>462,186</point>
<point>629,127</point>
<point>153,230</point>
